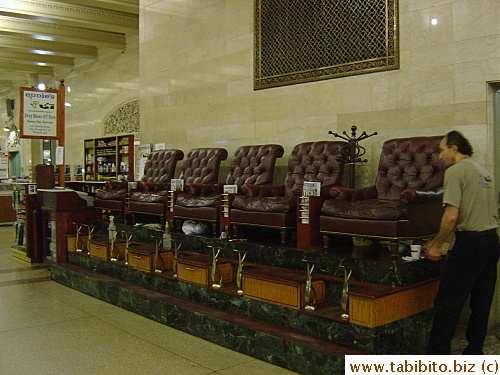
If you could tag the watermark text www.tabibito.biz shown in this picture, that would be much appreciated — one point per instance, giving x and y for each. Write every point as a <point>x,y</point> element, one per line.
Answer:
<point>391,364</point>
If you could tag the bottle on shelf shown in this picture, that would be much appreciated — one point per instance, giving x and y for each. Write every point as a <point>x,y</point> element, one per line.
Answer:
<point>167,237</point>
<point>111,227</point>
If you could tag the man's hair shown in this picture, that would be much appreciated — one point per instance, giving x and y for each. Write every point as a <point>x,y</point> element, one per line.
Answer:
<point>455,138</point>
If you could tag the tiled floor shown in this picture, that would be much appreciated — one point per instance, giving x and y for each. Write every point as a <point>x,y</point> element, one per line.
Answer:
<point>46,328</point>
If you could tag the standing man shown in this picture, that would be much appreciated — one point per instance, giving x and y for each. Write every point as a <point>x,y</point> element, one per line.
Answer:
<point>471,210</point>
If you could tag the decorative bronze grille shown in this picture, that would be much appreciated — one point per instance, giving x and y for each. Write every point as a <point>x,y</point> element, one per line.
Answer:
<point>308,40</point>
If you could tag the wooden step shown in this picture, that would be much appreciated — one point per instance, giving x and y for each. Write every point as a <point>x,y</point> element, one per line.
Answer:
<point>298,351</point>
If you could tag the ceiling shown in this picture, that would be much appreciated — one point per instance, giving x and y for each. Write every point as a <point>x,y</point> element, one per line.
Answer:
<point>39,38</point>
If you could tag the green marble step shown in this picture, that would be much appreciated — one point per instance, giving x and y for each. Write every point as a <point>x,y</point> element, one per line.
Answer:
<point>293,349</point>
<point>312,323</point>
<point>404,336</point>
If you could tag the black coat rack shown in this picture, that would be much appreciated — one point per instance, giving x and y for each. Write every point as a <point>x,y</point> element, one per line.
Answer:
<point>351,154</point>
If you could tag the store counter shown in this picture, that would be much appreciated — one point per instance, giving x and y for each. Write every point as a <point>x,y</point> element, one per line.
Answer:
<point>7,212</point>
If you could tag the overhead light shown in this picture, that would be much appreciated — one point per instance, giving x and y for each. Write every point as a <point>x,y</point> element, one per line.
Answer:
<point>43,37</point>
<point>434,21</point>
<point>67,104</point>
<point>42,52</point>
<point>41,86</point>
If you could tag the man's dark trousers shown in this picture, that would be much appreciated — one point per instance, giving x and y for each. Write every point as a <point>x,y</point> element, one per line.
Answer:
<point>470,270</point>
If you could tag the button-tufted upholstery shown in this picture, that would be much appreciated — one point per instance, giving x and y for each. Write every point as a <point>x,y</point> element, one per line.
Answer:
<point>404,202</point>
<point>253,164</point>
<point>314,162</point>
<point>160,165</point>
<point>276,206</point>
<point>250,164</point>
<point>409,163</point>
<point>202,165</point>
<point>159,169</point>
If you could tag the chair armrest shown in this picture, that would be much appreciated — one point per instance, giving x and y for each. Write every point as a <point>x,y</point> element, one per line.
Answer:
<point>251,190</point>
<point>343,193</point>
<point>325,191</point>
<point>420,196</point>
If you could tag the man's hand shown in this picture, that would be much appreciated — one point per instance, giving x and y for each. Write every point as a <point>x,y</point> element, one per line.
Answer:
<point>434,247</point>
<point>432,250</point>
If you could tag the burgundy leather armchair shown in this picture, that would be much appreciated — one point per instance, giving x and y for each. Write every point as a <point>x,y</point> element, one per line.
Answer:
<point>404,203</point>
<point>275,206</point>
<point>250,164</point>
<point>150,197</point>
<point>112,198</point>
<point>200,173</point>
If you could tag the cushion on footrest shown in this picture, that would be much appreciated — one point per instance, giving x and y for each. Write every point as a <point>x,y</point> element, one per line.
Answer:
<point>110,194</point>
<point>148,197</point>
<point>265,204</point>
<point>188,200</point>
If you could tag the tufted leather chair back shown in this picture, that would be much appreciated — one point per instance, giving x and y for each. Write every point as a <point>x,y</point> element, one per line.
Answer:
<point>254,164</point>
<point>202,165</point>
<point>409,163</point>
<point>160,165</point>
<point>314,162</point>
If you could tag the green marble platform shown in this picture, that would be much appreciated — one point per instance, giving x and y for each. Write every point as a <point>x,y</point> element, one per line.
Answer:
<point>293,349</point>
<point>400,337</point>
<point>234,321</point>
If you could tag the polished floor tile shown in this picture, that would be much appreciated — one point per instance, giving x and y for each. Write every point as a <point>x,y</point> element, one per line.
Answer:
<point>47,328</point>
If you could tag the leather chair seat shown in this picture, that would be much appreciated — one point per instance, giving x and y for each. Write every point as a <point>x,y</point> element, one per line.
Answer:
<point>158,197</point>
<point>194,201</point>
<point>110,194</point>
<point>265,204</point>
<point>112,198</point>
<point>373,209</point>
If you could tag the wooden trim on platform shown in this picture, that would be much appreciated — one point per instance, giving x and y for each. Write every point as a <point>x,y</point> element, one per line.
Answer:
<point>373,311</point>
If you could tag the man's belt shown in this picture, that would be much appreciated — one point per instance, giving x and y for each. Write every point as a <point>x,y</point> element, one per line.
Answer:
<point>476,233</point>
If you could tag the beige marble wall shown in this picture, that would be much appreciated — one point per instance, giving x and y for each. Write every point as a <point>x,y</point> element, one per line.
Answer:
<point>192,69</point>
<point>196,80</point>
<point>94,90</point>
<point>95,93</point>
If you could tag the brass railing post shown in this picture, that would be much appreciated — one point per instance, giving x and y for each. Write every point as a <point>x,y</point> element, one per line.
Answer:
<point>241,258</point>
<point>215,255</point>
